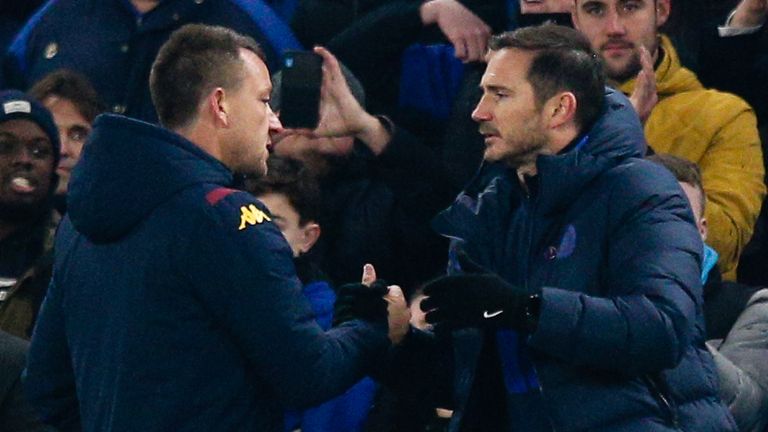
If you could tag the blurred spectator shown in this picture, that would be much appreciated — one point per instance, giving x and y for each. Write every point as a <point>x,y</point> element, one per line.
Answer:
<point>380,186</point>
<point>15,414</point>
<point>736,318</point>
<point>29,153</point>
<point>117,40</point>
<point>74,104</point>
<point>387,29</point>
<point>292,196</point>
<point>13,15</point>
<point>718,131</point>
<point>737,60</point>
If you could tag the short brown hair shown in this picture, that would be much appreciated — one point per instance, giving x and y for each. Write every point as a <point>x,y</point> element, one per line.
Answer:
<point>292,179</point>
<point>196,59</point>
<point>563,60</point>
<point>73,87</point>
<point>684,171</point>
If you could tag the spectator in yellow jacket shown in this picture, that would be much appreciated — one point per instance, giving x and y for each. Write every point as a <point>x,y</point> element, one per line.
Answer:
<point>716,130</point>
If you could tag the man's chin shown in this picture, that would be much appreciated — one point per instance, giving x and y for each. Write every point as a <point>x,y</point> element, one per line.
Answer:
<point>623,71</point>
<point>19,213</point>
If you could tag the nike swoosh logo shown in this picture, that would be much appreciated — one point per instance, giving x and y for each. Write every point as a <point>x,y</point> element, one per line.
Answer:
<point>486,314</point>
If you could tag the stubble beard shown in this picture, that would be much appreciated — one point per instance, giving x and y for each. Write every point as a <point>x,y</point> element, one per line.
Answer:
<point>622,74</point>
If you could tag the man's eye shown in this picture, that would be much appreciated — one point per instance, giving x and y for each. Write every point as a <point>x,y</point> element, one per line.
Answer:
<point>7,146</point>
<point>631,7</point>
<point>78,134</point>
<point>40,150</point>
<point>594,10</point>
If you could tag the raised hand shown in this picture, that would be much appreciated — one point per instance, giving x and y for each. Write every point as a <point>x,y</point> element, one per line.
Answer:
<point>644,98</point>
<point>363,300</point>
<point>466,31</point>
<point>750,13</point>
<point>374,301</point>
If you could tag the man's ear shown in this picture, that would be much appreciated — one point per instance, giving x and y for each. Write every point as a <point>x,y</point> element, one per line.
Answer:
<point>703,228</point>
<point>560,109</point>
<point>217,105</point>
<point>663,9</point>
<point>310,234</point>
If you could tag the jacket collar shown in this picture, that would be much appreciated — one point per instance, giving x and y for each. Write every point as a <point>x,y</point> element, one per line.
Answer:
<point>616,136</point>
<point>671,77</point>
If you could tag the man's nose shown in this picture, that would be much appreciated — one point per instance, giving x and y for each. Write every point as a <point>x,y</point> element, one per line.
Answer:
<point>614,23</point>
<point>274,122</point>
<point>23,155</point>
<point>66,145</point>
<point>481,112</point>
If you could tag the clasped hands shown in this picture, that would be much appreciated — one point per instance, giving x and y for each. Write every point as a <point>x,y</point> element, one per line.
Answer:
<point>375,301</point>
<point>474,298</point>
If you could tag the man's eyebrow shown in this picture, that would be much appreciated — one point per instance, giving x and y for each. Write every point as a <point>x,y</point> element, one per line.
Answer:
<point>493,87</point>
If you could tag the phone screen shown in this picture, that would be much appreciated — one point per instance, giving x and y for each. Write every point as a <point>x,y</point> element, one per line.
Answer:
<point>302,76</point>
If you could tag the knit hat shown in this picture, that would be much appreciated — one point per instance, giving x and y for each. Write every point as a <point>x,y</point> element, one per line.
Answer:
<point>17,105</point>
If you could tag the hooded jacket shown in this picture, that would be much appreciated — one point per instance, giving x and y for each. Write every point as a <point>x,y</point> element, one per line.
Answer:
<point>609,242</point>
<point>718,131</point>
<point>174,303</point>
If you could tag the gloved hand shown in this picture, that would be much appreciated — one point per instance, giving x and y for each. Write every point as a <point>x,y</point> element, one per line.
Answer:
<point>477,298</point>
<point>358,301</point>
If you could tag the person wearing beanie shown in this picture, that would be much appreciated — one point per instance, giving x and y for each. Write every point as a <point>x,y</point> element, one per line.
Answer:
<point>29,154</point>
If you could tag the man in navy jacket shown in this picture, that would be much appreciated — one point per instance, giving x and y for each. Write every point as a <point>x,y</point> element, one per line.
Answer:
<point>574,301</point>
<point>174,304</point>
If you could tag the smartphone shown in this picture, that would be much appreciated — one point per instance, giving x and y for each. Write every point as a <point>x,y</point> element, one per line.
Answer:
<point>302,75</point>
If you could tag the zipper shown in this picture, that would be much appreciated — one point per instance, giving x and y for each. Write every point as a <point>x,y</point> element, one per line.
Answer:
<point>531,202</point>
<point>665,401</point>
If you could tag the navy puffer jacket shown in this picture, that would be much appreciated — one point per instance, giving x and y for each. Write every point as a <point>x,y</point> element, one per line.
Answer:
<point>610,242</point>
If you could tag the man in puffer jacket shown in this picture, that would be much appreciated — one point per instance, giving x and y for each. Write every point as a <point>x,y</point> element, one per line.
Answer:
<point>574,301</point>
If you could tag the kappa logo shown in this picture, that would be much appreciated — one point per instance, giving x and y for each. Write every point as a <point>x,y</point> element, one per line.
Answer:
<point>251,215</point>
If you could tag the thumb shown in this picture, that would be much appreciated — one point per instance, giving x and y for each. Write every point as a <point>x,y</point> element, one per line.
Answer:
<point>395,295</point>
<point>369,275</point>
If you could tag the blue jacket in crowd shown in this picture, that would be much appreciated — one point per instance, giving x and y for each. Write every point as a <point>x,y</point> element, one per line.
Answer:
<point>345,413</point>
<point>174,304</point>
<point>114,46</point>
<point>609,241</point>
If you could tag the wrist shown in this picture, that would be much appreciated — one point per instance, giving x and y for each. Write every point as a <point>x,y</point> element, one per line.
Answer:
<point>375,132</point>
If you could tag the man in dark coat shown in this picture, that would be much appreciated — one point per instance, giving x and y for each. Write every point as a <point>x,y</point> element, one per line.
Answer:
<point>574,300</point>
<point>15,414</point>
<point>29,153</point>
<point>174,304</point>
<point>113,42</point>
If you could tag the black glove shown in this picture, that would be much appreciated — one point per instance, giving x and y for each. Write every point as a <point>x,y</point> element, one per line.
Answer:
<point>357,301</point>
<point>478,298</point>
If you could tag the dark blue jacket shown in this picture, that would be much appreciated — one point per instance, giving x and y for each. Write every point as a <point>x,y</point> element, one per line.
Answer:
<point>174,304</point>
<point>114,46</point>
<point>610,242</point>
<point>345,413</point>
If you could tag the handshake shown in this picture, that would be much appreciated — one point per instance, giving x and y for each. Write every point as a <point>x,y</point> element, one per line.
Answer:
<point>372,300</point>
<point>474,298</point>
